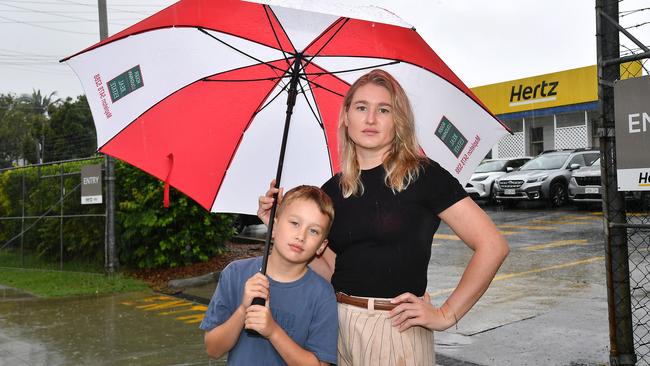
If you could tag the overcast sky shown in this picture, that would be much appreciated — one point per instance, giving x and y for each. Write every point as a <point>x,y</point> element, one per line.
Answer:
<point>484,42</point>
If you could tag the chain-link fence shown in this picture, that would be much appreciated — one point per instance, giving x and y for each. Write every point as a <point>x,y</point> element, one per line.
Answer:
<point>43,224</point>
<point>637,215</point>
<point>638,236</point>
<point>627,214</point>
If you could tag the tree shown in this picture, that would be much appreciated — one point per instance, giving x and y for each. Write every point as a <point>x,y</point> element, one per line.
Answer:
<point>37,104</point>
<point>19,131</point>
<point>71,132</point>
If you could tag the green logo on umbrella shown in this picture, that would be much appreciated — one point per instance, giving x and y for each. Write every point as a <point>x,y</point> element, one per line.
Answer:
<point>449,134</point>
<point>125,83</point>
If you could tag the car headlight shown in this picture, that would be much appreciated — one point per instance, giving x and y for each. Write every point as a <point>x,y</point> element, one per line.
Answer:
<point>479,179</point>
<point>541,178</point>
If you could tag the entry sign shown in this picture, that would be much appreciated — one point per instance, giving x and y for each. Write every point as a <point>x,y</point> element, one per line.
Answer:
<point>632,115</point>
<point>91,184</point>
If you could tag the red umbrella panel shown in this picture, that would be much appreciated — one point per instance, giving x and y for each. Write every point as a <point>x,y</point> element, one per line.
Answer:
<point>197,95</point>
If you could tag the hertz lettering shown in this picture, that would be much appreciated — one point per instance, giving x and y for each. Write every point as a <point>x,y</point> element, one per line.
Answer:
<point>542,92</point>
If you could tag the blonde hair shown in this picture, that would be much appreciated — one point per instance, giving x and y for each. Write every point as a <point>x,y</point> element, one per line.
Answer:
<point>404,160</point>
<point>313,194</point>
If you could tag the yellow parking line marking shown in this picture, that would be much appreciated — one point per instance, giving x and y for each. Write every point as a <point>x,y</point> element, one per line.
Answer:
<point>550,268</point>
<point>192,308</point>
<point>525,273</point>
<point>164,305</point>
<point>529,227</point>
<point>446,237</point>
<point>158,298</point>
<point>190,319</point>
<point>456,238</point>
<point>576,217</point>
<point>556,244</point>
<point>554,222</point>
<point>173,307</point>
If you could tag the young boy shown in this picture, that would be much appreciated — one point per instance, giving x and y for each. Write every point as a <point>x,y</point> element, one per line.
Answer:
<point>299,324</point>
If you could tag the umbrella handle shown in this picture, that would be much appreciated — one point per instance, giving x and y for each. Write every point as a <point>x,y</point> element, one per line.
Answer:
<point>256,301</point>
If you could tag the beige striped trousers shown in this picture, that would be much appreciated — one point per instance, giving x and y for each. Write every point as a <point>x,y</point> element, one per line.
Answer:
<point>367,338</point>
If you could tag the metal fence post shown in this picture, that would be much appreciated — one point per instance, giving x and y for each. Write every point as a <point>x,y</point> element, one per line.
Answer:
<point>112,264</point>
<point>61,220</point>
<point>22,223</point>
<point>616,250</point>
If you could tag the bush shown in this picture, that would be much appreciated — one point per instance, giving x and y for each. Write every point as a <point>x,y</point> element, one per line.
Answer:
<point>153,236</point>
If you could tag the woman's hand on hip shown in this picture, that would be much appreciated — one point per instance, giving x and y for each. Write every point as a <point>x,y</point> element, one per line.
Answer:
<point>414,311</point>
<point>266,202</point>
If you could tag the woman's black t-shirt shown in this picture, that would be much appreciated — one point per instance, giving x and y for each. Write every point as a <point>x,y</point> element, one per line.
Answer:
<point>383,240</point>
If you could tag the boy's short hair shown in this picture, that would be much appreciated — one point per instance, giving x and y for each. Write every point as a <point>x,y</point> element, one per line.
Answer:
<point>313,194</point>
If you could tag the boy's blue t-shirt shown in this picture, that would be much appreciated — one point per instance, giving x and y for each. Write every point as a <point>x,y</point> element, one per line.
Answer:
<point>306,309</point>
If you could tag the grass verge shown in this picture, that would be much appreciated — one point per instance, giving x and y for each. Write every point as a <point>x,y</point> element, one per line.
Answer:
<point>46,283</point>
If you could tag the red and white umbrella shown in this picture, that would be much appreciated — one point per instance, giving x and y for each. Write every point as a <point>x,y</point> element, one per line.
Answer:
<point>197,94</point>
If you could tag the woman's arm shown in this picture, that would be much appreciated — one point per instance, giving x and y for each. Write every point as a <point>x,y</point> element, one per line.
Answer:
<point>476,229</point>
<point>324,264</point>
<point>264,203</point>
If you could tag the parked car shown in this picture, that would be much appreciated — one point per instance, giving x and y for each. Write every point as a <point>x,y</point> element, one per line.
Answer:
<point>481,184</point>
<point>585,187</point>
<point>546,177</point>
<point>242,221</point>
<point>585,184</point>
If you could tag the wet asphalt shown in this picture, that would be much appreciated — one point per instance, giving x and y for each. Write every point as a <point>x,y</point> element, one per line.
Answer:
<point>547,306</point>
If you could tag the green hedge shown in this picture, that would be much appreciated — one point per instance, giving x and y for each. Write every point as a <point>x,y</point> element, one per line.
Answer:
<point>148,235</point>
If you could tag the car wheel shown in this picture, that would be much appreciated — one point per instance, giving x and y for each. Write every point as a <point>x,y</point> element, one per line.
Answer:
<point>558,196</point>
<point>492,198</point>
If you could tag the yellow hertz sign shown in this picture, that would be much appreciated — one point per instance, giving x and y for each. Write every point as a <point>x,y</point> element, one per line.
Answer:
<point>546,91</point>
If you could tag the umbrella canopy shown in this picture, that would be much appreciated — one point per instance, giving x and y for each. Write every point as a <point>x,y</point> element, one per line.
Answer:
<point>197,95</point>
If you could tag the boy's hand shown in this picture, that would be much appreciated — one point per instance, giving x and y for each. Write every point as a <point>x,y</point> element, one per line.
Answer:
<point>256,286</point>
<point>266,202</point>
<point>259,319</point>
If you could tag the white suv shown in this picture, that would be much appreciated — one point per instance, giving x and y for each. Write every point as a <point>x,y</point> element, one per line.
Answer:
<point>481,184</point>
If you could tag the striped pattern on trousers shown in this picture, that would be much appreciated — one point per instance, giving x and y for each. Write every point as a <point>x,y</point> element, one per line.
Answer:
<point>367,338</point>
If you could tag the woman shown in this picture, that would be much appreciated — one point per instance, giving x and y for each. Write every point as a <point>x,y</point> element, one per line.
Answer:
<point>389,200</point>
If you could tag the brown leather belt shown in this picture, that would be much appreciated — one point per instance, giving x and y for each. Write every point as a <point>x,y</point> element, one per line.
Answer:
<point>363,302</point>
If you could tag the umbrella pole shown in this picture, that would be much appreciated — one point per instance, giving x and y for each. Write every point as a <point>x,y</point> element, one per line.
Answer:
<point>291,101</point>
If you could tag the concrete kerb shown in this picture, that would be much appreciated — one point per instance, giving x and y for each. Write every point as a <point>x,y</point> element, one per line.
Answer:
<point>184,283</point>
<point>11,294</point>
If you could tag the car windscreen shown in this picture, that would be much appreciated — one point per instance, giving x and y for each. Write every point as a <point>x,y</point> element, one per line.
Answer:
<point>546,162</point>
<point>490,166</point>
